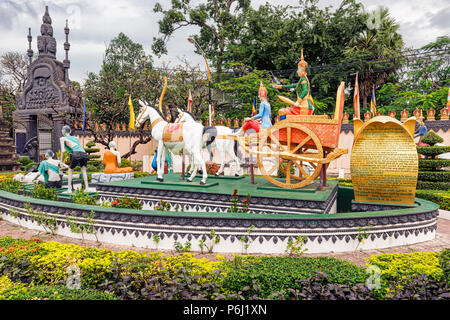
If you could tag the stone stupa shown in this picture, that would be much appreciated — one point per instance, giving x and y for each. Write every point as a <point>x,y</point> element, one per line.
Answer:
<point>8,155</point>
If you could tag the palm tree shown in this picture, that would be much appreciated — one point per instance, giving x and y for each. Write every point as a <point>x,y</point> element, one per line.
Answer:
<point>380,44</point>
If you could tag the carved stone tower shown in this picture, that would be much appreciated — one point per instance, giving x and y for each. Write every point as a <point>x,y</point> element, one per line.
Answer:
<point>45,95</point>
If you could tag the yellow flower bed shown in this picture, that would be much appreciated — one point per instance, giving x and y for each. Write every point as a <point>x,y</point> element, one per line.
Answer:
<point>52,260</point>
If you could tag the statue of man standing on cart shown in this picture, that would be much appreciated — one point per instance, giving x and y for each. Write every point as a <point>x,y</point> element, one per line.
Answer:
<point>303,105</point>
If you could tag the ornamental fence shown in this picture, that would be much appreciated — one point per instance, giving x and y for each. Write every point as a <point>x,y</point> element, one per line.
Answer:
<point>236,122</point>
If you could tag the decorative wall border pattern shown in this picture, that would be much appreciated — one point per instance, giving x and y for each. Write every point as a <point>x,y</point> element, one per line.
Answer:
<point>215,202</point>
<point>324,233</point>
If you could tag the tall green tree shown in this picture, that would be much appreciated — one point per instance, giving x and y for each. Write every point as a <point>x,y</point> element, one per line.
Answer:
<point>431,69</point>
<point>219,22</point>
<point>377,49</point>
<point>126,71</point>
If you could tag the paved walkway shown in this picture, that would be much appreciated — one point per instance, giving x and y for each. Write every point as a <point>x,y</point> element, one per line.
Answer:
<point>441,241</point>
<point>444,214</point>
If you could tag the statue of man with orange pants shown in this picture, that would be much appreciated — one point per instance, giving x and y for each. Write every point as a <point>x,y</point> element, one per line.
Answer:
<point>264,114</point>
<point>303,105</point>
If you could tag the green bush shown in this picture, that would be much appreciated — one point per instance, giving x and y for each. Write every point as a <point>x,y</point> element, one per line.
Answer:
<point>431,185</point>
<point>39,191</point>
<point>136,165</point>
<point>433,151</point>
<point>10,185</point>
<point>58,292</point>
<point>82,197</point>
<point>399,268</point>
<point>437,176</point>
<point>28,166</point>
<point>271,274</point>
<point>439,197</point>
<point>25,161</point>
<point>140,174</point>
<point>444,261</point>
<point>127,202</point>
<point>125,163</point>
<point>433,164</point>
<point>92,168</point>
<point>431,138</point>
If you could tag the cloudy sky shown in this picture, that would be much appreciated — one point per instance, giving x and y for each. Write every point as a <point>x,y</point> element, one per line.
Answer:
<point>94,23</point>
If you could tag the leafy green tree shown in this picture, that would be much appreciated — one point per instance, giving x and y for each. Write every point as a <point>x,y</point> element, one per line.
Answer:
<point>432,69</point>
<point>273,36</point>
<point>379,42</point>
<point>123,55</point>
<point>126,71</point>
<point>218,20</point>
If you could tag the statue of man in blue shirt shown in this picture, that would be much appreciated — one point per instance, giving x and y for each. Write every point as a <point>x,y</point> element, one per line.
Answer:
<point>264,114</point>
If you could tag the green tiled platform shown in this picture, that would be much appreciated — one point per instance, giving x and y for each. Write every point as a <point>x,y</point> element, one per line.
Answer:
<point>226,185</point>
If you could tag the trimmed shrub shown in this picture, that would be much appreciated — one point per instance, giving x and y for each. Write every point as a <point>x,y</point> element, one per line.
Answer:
<point>264,275</point>
<point>444,261</point>
<point>433,164</point>
<point>431,138</point>
<point>432,185</point>
<point>93,163</point>
<point>26,163</point>
<point>437,176</point>
<point>433,151</point>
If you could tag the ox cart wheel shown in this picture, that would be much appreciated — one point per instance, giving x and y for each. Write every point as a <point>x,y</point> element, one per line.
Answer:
<point>292,148</point>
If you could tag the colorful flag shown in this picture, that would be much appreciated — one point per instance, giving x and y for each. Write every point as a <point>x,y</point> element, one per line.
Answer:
<point>312,101</point>
<point>131,124</point>
<point>212,112</point>
<point>356,107</point>
<point>254,107</point>
<point>84,114</point>
<point>189,106</point>
<point>373,103</point>
<point>448,99</point>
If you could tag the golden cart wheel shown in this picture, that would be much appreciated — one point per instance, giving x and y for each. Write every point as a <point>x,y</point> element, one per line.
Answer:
<point>269,148</point>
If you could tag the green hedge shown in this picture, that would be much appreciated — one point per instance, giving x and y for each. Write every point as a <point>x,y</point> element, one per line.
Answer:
<point>438,176</point>
<point>430,185</point>
<point>433,151</point>
<point>444,261</point>
<point>271,274</point>
<point>443,199</point>
<point>432,164</point>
